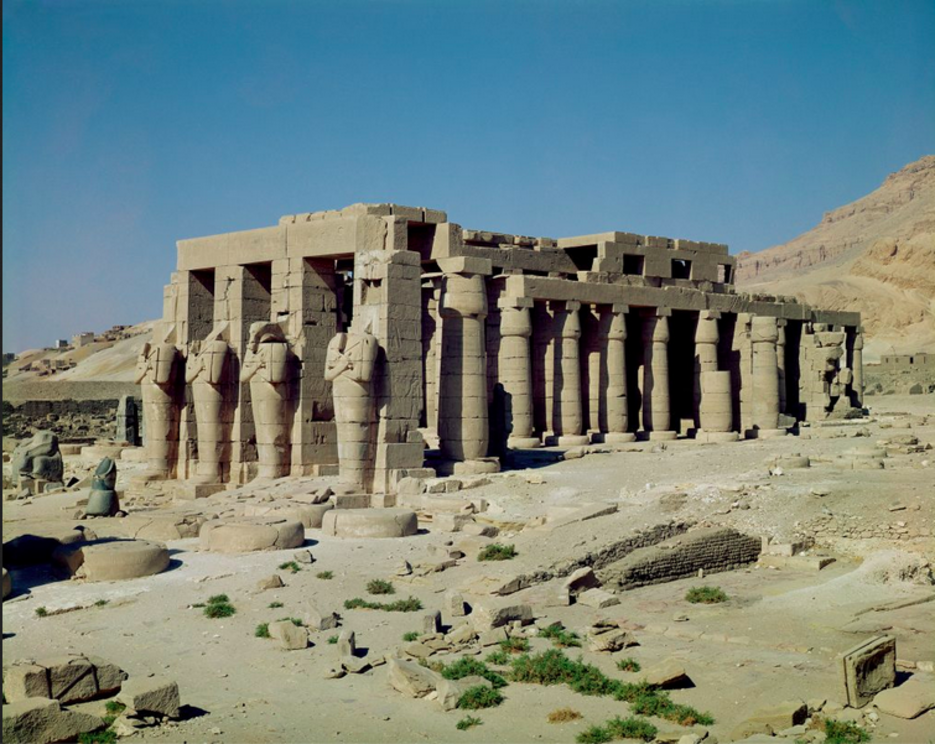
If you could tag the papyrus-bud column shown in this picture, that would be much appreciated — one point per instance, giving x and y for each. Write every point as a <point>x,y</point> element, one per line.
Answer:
<point>618,422</point>
<point>713,396</point>
<point>568,411</point>
<point>463,428</point>
<point>764,333</point>
<point>515,368</point>
<point>706,341</point>
<point>657,414</point>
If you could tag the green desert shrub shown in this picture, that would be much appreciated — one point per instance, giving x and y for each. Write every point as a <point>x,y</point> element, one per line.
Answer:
<point>628,665</point>
<point>497,552</point>
<point>560,637</point>
<point>467,666</point>
<point>410,604</point>
<point>325,575</point>
<point>219,606</point>
<point>706,595</point>
<point>480,696</point>
<point>262,630</point>
<point>844,732</point>
<point>379,586</point>
<point>468,722</point>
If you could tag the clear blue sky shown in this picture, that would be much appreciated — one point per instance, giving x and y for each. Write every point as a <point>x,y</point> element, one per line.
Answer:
<point>129,125</point>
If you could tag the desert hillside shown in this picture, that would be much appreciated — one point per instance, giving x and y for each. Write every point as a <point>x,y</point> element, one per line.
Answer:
<point>875,255</point>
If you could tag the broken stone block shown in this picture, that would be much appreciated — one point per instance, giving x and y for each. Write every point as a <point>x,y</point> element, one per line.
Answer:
<point>38,720</point>
<point>354,665</point>
<point>410,678</point>
<point>109,676</point>
<point>317,619</point>
<point>270,582</point>
<point>22,681</point>
<point>463,633</point>
<point>771,719</point>
<point>432,622</point>
<point>404,568</point>
<point>450,522</point>
<point>492,637</point>
<point>598,599</point>
<point>480,530</point>
<point>668,675</point>
<point>418,650</point>
<point>580,581</point>
<point>454,604</point>
<point>868,668</point>
<point>610,640</point>
<point>303,556</point>
<point>451,690</point>
<point>347,643</point>
<point>151,695</point>
<point>493,614</point>
<point>71,678</point>
<point>910,700</point>
<point>290,636</point>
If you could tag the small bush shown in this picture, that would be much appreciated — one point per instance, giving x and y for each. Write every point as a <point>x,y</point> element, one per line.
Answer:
<point>379,586</point>
<point>480,696</point>
<point>42,612</point>
<point>560,637</point>
<point>468,722</point>
<point>106,736</point>
<point>500,658</point>
<point>219,599</point>
<point>333,640</point>
<point>631,728</point>
<point>219,608</point>
<point>628,665</point>
<point>290,566</point>
<point>102,602</point>
<point>115,707</point>
<point>706,595</point>
<point>262,630</point>
<point>497,552</point>
<point>514,645</point>
<point>561,715</point>
<point>410,604</point>
<point>594,735</point>
<point>844,732</point>
<point>275,605</point>
<point>410,636</point>
<point>467,666</point>
<point>294,620</point>
<point>325,575</point>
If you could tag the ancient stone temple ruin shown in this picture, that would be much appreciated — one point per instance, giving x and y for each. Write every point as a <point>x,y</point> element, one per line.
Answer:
<point>380,339</point>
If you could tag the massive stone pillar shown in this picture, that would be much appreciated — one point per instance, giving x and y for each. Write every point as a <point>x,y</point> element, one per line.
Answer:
<point>463,427</point>
<point>568,410</point>
<point>706,342</point>
<point>207,374</point>
<point>857,384</point>
<point>156,370</point>
<point>349,366</point>
<point>657,414</point>
<point>781,362</point>
<point>713,395</point>
<point>269,367</point>
<point>515,369</point>
<point>764,333</point>
<point>618,422</point>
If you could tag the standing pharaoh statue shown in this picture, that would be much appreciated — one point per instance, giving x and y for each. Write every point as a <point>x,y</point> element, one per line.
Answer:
<point>155,373</point>
<point>269,368</point>
<point>349,366</point>
<point>207,374</point>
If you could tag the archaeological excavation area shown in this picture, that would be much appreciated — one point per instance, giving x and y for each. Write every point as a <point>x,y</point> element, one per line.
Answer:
<point>388,479</point>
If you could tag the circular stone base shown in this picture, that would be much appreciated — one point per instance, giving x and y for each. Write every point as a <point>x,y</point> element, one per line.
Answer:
<point>247,535</point>
<point>663,436</point>
<point>619,437</point>
<point>112,560</point>
<point>477,467</point>
<point>769,433</point>
<point>370,523</point>
<point>573,440</point>
<point>523,442</point>
<point>716,436</point>
<point>310,515</point>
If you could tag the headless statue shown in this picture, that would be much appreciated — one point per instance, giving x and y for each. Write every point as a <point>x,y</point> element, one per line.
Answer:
<point>155,373</point>
<point>207,373</point>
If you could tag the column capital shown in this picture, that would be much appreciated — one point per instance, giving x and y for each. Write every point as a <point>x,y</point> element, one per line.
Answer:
<point>515,303</point>
<point>466,265</point>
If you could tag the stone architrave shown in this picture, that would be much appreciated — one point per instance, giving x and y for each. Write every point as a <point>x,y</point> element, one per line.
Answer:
<point>618,421</point>
<point>515,369</point>
<point>568,409</point>
<point>103,502</point>
<point>463,425</point>
<point>349,366</point>
<point>207,374</point>
<point>764,334</point>
<point>156,374</point>
<point>269,367</point>
<point>657,415</point>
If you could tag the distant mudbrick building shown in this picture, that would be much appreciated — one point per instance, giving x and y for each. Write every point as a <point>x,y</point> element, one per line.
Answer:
<point>336,340</point>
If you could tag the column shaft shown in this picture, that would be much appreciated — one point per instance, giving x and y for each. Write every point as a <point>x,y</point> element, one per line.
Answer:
<point>618,422</point>
<point>657,415</point>
<point>764,334</point>
<point>569,413</point>
<point>515,369</point>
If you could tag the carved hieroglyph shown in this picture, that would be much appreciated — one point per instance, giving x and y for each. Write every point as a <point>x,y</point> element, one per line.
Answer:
<point>269,367</point>
<point>207,374</point>
<point>349,366</point>
<point>156,374</point>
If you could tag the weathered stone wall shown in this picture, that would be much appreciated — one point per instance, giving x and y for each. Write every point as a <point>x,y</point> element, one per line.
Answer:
<point>69,419</point>
<point>713,549</point>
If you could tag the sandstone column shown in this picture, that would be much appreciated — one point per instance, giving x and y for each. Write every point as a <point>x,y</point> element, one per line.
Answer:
<point>764,333</point>
<point>569,413</point>
<point>706,341</point>
<point>713,395</point>
<point>463,427</point>
<point>618,423</point>
<point>858,369</point>
<point>657,417</point>
<point>781,362</point>
<point>516,369</point>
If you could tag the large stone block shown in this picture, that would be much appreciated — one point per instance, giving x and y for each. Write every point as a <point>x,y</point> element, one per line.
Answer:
<point>151,695</point>
<point>362,523</point>
<point>43,721</point>
<point>868,668</point>
<point>411,679</point>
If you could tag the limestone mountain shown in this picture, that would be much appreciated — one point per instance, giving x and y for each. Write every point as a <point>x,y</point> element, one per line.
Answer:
<point>875,255</point>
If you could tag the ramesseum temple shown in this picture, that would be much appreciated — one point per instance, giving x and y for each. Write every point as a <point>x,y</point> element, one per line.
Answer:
<point>350,342</point>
